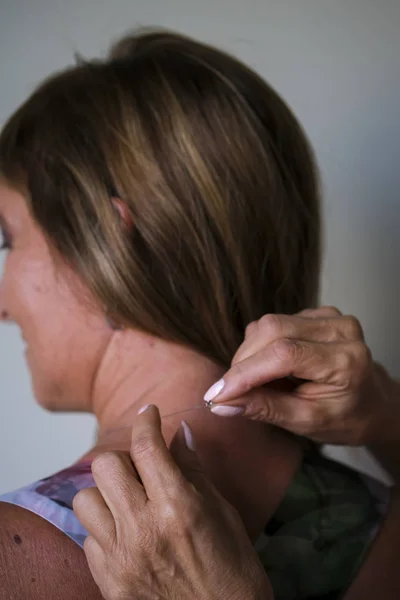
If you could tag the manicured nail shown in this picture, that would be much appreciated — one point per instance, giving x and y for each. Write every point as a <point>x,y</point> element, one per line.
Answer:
<point>227,411</point>
<point>145,407</point>
<point>214,390</point>
<point>189,439</point>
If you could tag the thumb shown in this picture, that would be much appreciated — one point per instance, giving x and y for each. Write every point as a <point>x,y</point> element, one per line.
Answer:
<point>274,405</point>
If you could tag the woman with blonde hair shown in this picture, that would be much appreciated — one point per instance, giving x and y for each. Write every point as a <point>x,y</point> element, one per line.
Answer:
<point>153,204</point>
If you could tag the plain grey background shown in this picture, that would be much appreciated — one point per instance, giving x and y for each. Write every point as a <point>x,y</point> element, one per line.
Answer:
<point>336,62</point>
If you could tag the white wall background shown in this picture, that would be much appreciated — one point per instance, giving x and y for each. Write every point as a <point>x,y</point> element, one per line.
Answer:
<point>337,63</point>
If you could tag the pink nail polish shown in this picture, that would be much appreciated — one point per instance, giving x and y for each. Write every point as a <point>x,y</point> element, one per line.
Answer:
<point>227,411</point>
<point>189,439</point>
<point>214,390</point>
<point>143,409</point>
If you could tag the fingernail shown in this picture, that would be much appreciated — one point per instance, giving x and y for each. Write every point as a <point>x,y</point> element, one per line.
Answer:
<point>189,439</point>
<point>214,390</point>
<point>227,411</point>
<point>145,407</point>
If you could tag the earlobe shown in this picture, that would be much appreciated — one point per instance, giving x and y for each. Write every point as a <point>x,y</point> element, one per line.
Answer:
<point>123,212</point>
<point>113,324</point>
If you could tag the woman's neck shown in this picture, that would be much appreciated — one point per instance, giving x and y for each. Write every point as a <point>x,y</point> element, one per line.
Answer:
<point>250,464</point>
<point>138,369</point>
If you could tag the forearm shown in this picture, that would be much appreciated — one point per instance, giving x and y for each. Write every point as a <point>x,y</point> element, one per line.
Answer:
<point>385,444</point>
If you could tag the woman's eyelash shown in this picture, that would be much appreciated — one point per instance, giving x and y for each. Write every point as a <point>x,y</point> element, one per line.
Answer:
<point>5,239</point>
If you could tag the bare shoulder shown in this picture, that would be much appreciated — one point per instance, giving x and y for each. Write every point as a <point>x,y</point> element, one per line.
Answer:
<point>38,561</point>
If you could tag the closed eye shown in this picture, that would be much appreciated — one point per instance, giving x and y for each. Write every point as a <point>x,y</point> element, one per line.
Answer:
<point>5,237</point>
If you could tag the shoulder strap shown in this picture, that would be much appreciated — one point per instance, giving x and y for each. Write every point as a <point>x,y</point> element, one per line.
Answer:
<point>51,498</point>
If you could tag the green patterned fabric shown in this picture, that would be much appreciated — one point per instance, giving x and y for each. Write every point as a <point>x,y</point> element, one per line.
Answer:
<point>319,536</point>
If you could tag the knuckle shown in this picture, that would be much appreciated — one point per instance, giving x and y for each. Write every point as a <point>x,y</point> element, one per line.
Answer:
<point>344,364</point>
<point>332,311</point>
<point>195,515</point>
<point>88,545</point>
<point>143,445</point>
<point>267,413</point>
<point>107,462</point>
<point>173,512</point>
<point>271,324</point>
<point>264,408</point>
<point>184,514</point>
<point>79,501</point>
<point>354,363</point>
<point>250,329</point>
<point>328,329</point>
<point>363,354</point>
<point>287,350</point>
<point>353,328</point>
<point>362,360</point>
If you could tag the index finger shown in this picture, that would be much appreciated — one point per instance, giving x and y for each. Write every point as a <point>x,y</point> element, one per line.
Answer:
<point>117,482</point>
<point>160,475</point>
<point>319,363</point>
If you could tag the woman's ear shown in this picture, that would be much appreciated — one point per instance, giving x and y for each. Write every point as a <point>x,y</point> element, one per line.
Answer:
<point>123,213</point>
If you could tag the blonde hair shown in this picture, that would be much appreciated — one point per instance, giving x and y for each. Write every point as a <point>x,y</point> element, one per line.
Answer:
<point>213,169</point>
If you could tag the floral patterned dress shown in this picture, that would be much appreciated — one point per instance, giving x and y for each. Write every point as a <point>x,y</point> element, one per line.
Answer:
<point>311,548</point>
